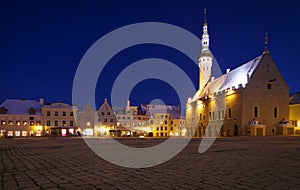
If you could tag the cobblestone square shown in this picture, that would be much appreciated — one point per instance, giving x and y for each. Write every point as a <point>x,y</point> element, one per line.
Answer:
<point>231,163</point>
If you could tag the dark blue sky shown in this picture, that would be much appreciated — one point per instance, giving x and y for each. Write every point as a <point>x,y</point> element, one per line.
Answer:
<point>42,42</point>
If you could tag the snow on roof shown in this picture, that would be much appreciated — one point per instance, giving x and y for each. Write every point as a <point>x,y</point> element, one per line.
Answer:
<point>295,98</point>
<point>21,107</point>
<point>234,78</point>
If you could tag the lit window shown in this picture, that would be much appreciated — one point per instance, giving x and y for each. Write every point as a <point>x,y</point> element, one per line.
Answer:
<point>24,133</point>
<point>31,123</point>
<point>10,123</point>
<point>17,133</point>
<point>10,133</point>
<point>18,123</point>
<point>2,122</point>
<point>24,123</point>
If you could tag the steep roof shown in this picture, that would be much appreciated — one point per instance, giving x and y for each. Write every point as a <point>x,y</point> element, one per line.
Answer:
<point>232,79</point>
<point>295,98</point>
<point>21,107</point>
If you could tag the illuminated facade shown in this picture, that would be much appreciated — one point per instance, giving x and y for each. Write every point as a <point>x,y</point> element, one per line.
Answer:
<point>225,105</point>
<point>59,119</point>
<point>21,118</point>
<point>294,106</point>
<point>86,121</point>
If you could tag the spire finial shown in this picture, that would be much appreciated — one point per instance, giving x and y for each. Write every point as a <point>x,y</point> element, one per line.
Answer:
<point>204,15</point>
<point>266,41</point>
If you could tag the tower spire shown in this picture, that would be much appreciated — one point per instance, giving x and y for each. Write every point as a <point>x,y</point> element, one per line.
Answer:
<point>266,43</point>
<point>204,15</point>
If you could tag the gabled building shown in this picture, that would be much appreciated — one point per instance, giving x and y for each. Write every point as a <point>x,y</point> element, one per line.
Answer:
<point>59,119</point>
<point>21,118</point>
<point>294,106</point>
<point>226,105</point>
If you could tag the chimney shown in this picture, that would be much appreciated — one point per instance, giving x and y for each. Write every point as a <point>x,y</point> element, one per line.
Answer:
<point>128,103</point>
<point>227,71</point>
<point>42,101</point>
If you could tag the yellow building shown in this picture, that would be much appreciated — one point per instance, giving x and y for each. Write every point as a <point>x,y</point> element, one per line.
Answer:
<point>21,118</point>
<point>59,119</point>
<point>295,112</point>
<point>225,105</point>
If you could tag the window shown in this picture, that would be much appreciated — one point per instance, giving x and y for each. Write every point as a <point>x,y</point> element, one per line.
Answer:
<point>161,134</point>
<point>24,133</point>
<point>209,115</point>
<point>255,111</point>
<point>10,133</point>
<point>108,113</point>
<point>24,123</point>
<point>222,115</point>
<point>55,123</point>
<point>71,123</point>
<point>213,115</point>
<point>161,128</point>
<point>56,113</point>
<point>2,122</point>
<point>275,112</point>
<point>204,117</point>
<point>229,113</point>
<point>157,128</point>
<point>10,123</point>
<point>157,134</point>
<point>200,117</point>
<point>111,120</point>
<point>48,123</point>
<point>269,86</point>
<point>166,122</point>
<point>102,113</point>
<point>151,122</point>
<point>166,134</point>
<point>31,123</point>
<point>64,113</point>
<point>171,128</point>
<point>48,113</point>
<point>64,123</point>
<point>17,133</point>
<point>71,113</point>
<point>166,128</point>
<point>18,123</point>
<point>105,120</point>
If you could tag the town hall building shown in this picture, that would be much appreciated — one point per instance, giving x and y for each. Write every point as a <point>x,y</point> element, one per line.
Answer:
<point>249,100</point>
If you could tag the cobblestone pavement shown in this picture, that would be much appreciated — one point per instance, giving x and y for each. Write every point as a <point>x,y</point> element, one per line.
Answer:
<point>231,163</point>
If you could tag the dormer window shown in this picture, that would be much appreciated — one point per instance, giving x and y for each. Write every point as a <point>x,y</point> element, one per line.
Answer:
<point>3,110</point>
<point>31,111</point>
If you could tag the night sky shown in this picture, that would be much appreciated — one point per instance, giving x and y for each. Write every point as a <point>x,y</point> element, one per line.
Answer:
<point>42,42</point>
